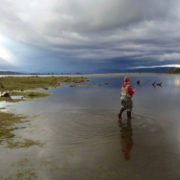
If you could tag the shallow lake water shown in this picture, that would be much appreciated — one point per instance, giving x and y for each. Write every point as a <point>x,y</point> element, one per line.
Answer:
<point>82,139</point>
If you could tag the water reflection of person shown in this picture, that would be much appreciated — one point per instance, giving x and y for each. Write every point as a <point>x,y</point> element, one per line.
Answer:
<point>126,139</point>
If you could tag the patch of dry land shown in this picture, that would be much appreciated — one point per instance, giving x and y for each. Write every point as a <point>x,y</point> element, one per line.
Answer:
<point>22,86</point>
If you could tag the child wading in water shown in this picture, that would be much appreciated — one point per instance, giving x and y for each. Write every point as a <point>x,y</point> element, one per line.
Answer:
<point>126,98</point>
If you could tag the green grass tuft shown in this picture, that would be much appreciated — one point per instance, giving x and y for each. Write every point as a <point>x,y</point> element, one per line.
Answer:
<point>23,174</point>
<point>30,94</point>
<point>23,144</point>
<point>7,125</point>
<point>81,85</point>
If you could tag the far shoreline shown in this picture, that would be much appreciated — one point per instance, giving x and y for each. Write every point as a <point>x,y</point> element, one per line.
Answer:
<point>86,74</point>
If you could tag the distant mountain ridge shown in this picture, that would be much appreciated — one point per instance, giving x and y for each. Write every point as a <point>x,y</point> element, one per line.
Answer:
<point>139,70</point>
<point>174,70</point>
<point>9,73</point>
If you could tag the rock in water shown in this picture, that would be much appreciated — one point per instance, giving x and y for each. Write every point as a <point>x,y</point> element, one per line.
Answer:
<point>5,94</point>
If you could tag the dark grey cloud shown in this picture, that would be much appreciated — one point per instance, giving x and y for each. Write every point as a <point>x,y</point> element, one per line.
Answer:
<point>140,30</point>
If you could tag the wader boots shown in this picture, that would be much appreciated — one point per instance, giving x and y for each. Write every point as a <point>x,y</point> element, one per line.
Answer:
<point>120,113</point>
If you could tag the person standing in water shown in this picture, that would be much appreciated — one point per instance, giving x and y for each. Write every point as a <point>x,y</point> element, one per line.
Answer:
<point>126,98</point>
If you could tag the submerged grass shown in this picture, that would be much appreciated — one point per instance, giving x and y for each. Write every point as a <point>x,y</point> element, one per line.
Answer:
<point>23,144</point>
<point>23,174</point>
<point>7,125</point>
<point>21,162</point>
<point>81,85</point>
<point>30,94</point>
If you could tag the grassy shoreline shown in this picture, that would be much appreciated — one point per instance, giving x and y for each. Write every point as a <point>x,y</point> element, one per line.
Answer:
<point>20,86</point>
<point>30,83</point>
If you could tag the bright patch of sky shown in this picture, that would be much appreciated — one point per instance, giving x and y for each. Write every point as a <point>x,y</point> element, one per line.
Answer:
<point>164,65</point>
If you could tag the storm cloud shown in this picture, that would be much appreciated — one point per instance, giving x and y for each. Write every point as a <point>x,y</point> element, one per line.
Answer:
<point>142,32</point>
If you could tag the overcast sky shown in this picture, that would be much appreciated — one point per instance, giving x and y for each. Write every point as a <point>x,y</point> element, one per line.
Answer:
<point>88,36</point>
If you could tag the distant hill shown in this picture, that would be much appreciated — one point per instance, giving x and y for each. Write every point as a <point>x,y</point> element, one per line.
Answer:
<point>140,70</point>
<point>153,70</point>
<point>174,70</point>
<point>116,70</point>
<point>9,73</point>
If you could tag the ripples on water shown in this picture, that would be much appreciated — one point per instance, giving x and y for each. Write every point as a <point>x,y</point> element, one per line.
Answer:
<point>84,141</point>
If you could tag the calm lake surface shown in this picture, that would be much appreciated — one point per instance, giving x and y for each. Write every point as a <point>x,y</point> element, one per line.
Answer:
<point>82,138</point>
